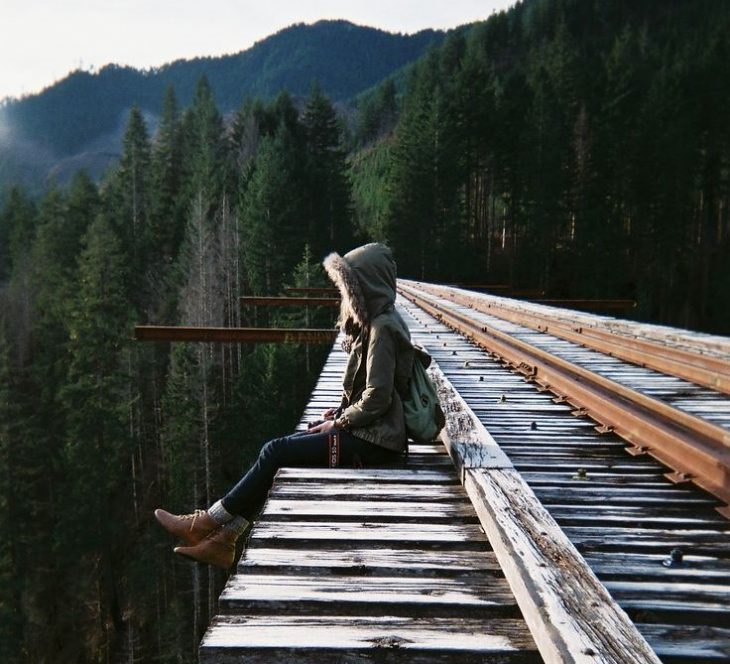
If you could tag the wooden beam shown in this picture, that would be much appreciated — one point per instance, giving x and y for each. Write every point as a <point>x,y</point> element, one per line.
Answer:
<point>571,615</point>
<point>312,291</point>
<point>274,301</point>
<point>234,334</point>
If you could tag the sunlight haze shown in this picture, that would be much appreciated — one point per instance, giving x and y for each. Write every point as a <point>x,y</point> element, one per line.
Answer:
<point>43,41</point>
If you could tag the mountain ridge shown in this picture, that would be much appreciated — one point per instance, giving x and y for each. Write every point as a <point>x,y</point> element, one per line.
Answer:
<point>88,108</point>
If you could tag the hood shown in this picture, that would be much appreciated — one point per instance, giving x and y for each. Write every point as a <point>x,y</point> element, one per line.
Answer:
<point>366,279</point>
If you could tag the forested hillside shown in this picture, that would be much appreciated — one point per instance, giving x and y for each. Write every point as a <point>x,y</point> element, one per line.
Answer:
<point>578,148</point>
<point>97,430</point>
<point>77,122</point>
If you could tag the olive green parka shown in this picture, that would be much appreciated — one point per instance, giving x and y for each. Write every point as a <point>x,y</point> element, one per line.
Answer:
<point>380,351</point>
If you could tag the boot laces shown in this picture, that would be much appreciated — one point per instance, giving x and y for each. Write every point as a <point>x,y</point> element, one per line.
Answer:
<point>193,517</point>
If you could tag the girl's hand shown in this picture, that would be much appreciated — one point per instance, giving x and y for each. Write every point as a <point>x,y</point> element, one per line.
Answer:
<point>329,414</point>
<point>325,427</point>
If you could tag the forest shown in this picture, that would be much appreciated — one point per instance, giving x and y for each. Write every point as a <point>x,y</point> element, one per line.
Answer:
<point>77,122</point>
<point>579,148</point>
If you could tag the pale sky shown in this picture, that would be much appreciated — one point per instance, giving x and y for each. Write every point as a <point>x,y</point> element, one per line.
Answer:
<point>42,40</point>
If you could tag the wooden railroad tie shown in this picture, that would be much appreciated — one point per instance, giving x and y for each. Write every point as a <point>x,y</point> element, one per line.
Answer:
<point>571,615</point>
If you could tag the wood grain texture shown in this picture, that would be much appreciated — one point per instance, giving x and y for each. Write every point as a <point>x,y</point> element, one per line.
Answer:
<point>682,643</point>
<point>467,441</point>
<point>384,475</point>
<point>384,561</point>
<point>367,639</point>
<point>341,595</point>
<point>372,531</point>
<point>367,491</point>
<point>382,510</point>
<point>571,615</point>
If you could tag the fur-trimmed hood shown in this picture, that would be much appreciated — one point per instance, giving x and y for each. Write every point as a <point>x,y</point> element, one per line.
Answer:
<point>366,279</point>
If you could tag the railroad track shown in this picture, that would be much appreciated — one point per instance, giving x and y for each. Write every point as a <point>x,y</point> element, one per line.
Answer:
<point>391,564</point>
<point>661,547</point>
<point>643,398</point>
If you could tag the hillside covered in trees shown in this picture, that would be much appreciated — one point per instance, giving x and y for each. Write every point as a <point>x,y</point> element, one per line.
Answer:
<point>578,148</point>
<point>78,122</point>
<point>95,430</point>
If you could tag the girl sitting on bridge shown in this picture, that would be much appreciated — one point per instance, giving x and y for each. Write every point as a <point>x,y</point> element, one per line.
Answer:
<point>367,428</point>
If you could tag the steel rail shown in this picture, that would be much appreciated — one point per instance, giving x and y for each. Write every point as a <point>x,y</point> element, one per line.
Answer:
<point>312,290</point>
<point>234,334</point>
<point>278,301</point>
<point>695,449</point>
<point>703,370</point>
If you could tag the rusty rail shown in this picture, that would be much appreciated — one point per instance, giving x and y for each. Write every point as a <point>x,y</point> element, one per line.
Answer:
<point>311,291</point>
<point>694,448</point>
<point>277,301</point>
<point>703,370</point>
<point>235,334</point>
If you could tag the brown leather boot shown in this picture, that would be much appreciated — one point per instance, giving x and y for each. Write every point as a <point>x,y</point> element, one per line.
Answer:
<point>190,528</point>
<point>218,548</point>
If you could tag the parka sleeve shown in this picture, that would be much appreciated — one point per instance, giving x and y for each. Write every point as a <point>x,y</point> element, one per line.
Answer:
<point>380,381</point>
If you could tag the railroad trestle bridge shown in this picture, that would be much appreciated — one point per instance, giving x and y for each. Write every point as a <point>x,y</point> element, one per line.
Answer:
<point>574,510</point>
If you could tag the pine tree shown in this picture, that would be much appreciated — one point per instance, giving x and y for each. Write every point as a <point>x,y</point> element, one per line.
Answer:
<point>166,168</point>
<point>11,614</point>
<point>327,190</point>
<point>271,222</point>
<point>204,156</point>
<point>17,228</point>
<point>128,202</point>
<point>96,501</point>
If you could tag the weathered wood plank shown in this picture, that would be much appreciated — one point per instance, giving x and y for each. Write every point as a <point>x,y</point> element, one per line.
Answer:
<point>570,613</point>
<point>368,475</point>
<point>368,491</point>
<point>678,644</point>
<point>468,443</point>
<point>635,516</point>
<point>367,561</point>
<point>366,639</point>
<point>614,497</point>
<point>711,600</point>
<point>453,512</point>
<point>358,595</point>
<point>638,566</point>
<point>423,534</point>
<point>607,538</point>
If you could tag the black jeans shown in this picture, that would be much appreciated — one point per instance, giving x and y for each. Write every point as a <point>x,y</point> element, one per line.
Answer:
<point>301,450</point>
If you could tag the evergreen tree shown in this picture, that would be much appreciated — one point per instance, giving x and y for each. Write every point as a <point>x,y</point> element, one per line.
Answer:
<point>327,190</point>
<point>272,224</point>
<point>128,201</point>
<point>166,168</point>
<point>91,528</point>
<point>11,609</point>
<point>203,149</point>
<point>17,227</point>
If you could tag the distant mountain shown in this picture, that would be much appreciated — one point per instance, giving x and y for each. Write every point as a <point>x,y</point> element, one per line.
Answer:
<point>78,122</point>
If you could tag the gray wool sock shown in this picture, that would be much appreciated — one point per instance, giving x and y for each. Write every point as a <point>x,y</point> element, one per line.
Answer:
<point>220,514</point>
<point>237,524</point>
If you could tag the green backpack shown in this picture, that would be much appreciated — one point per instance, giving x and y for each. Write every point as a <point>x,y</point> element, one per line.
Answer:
<point>424,417</point>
